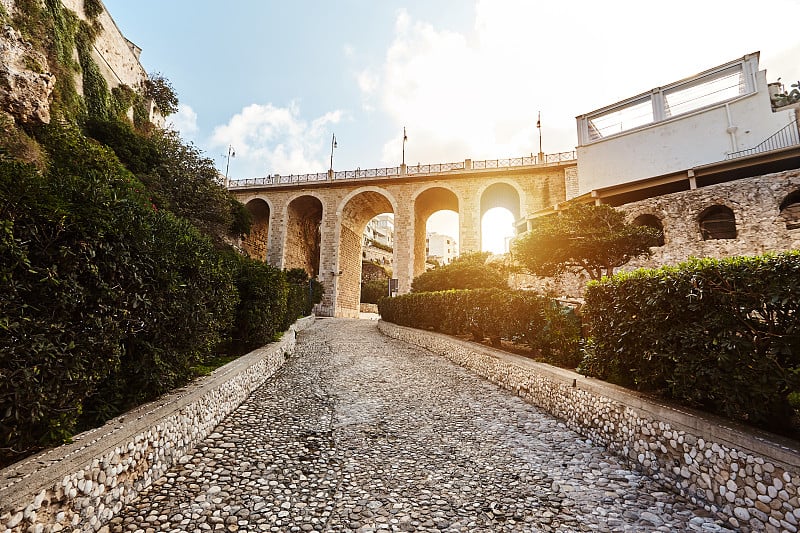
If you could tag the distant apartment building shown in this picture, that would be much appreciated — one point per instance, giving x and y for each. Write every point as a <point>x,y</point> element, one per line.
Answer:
<point>440,248</point>
<point>379,240</point>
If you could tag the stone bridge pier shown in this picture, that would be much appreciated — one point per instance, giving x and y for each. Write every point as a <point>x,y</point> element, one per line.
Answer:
<point>316,221</point>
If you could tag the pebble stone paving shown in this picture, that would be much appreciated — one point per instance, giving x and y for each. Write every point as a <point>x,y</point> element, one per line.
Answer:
<point>362,433</point>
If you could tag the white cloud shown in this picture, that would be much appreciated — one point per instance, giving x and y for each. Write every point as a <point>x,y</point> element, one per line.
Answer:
<point>367,81</point>
<point>184,121</point>
<point>269,139</point>
<point>477,94</point>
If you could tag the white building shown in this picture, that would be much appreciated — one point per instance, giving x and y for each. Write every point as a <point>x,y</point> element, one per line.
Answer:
<point>441,248</point>
<point>378,245</point>
<point>669,131</point>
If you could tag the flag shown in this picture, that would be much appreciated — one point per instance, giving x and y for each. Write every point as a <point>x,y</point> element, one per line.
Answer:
<point>405,137</point>
<point>539,121</point>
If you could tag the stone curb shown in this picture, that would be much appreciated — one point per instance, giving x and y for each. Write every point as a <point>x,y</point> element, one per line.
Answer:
<point>749,478</point>
<point>85,483</point>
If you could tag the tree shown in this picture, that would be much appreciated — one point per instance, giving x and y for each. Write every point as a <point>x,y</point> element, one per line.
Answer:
<point>162,93</point>
<point>592,239</point>
<point>468,271</point>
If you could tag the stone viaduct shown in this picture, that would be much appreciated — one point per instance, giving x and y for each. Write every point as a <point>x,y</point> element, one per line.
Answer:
<point>315,221</point>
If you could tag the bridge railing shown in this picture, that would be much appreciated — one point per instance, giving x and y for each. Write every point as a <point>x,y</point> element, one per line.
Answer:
<point>408,170</point>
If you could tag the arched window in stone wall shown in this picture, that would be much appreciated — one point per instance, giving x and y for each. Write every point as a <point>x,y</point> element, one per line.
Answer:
<point>651,221</point>
<point>790,210</point>
<point>718,222</point>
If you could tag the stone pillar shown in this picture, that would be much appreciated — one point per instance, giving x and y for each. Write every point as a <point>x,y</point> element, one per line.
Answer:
<point>404,247</point>
<point>328,258</point>
<point>469,225</point>
<point>277,234</point>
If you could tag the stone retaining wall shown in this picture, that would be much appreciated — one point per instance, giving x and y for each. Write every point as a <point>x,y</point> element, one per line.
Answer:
<point>81,486</point>
<point>748,478</point>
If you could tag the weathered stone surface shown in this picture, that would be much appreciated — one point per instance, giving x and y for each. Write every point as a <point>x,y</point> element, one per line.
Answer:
<point>25,81</point>
<point>755,201</point>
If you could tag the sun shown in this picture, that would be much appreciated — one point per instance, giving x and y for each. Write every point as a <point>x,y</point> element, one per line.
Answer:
<point>497,228</point>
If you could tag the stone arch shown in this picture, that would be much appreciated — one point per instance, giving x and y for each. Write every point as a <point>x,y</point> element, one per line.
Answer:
<point>426,202</point>
<point>301,247</point>
<point>651,221</point>
<point>500,193</point>
<point>717,222</point>
<point>355,210</point>
<point>790,210</point>
<point>255,244</point>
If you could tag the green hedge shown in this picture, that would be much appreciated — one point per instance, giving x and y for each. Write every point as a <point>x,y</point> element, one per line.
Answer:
<point>107,301</point>
<point>722,335</point>
<point>548,328</point>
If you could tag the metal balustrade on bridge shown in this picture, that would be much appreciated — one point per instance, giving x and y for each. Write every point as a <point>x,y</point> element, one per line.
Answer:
<point>276,180</point>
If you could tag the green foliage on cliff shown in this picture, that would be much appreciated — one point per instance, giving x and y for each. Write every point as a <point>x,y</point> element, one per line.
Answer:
<point>116,279</point>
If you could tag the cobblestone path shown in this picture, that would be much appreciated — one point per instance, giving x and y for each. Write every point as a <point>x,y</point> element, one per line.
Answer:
<point>359,432</point>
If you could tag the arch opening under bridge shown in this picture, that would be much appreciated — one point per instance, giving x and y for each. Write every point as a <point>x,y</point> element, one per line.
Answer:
<point>356,211</point>
<point>302,238</point>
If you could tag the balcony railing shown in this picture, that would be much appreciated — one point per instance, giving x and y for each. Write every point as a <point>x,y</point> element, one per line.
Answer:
<point>784,138</point>
<point>275,180</point>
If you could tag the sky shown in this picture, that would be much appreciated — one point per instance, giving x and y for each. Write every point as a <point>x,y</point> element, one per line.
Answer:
<point>276,80</point>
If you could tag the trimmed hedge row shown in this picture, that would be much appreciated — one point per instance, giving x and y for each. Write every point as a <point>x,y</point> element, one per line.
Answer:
<point>544,325</point>
<point>722,335</point>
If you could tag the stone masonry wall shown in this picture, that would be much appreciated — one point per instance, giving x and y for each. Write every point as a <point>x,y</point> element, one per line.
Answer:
<point>81,486</point>
<point>117,58</point>
<point>749,479</point>
<point>754,201</point>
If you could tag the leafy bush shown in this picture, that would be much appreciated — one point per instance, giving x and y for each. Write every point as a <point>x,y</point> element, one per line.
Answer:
<point>717,334</point>
<point>262,310</point>
<point>372,291</point>
<point>160,90</point>
<point>62,261</point>
<point>584,238</point>
<point>271,300</point>
<point>468,271</point>
<point>185,300</point>
<point>304,292</point>
<point>106,301</point>
<point>545,326</point>
<point>137,152</point>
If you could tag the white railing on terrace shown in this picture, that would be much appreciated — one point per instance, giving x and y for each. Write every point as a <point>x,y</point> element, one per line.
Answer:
<point>410,170</point>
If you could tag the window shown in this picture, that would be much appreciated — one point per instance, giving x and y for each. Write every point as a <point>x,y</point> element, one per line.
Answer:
<point>717,222</point>
<point>651,221</point>
<point>708,90</point>
<point>790,210</point>
<point>627,117</point>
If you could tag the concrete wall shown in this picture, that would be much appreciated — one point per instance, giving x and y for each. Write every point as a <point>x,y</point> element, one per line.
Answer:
<point>81,486</point>
<point>749,479</point>
<point>682,142</point>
